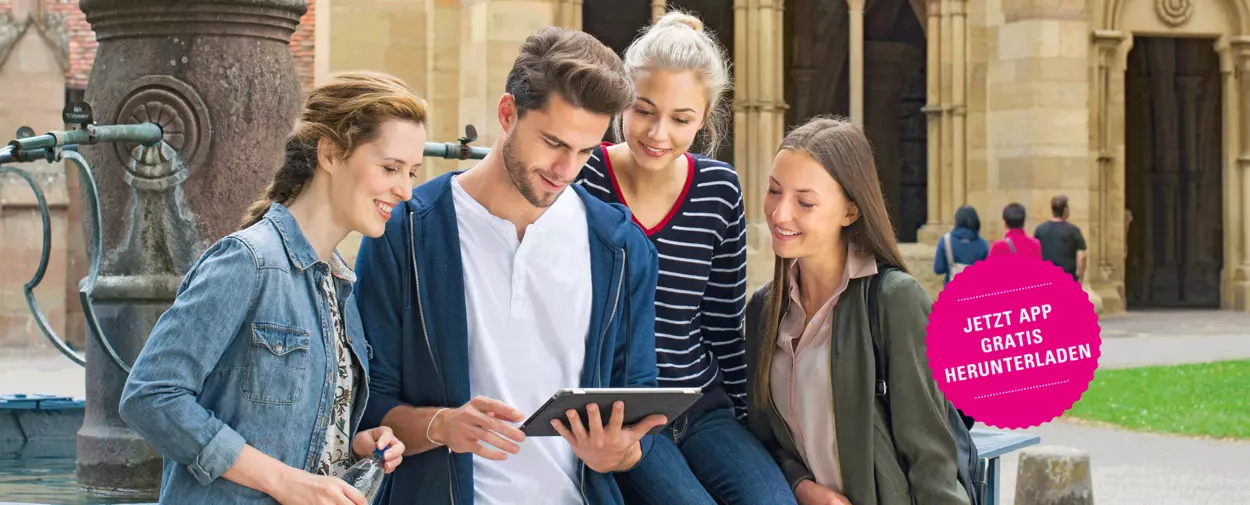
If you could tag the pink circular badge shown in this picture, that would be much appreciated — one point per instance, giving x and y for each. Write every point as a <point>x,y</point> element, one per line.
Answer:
<point>1013,342</point>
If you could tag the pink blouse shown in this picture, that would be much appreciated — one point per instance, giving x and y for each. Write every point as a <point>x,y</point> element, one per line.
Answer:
<point>801,378</point>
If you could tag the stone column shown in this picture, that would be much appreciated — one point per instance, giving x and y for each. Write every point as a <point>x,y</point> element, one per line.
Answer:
<point>959,105</point>
<point>759,118</point>
<point>657,9</point>
<point>1106,237</point>
<point>1233,199</point>
<point>856,18</point>
<point>1241,279</point>
<point>934,110</point>
<point>226,98</point>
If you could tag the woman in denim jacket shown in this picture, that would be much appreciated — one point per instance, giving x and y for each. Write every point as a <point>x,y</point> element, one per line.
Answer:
<point>253,382</point>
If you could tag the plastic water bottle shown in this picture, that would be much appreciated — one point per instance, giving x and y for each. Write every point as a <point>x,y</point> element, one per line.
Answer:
<point>366,475</point>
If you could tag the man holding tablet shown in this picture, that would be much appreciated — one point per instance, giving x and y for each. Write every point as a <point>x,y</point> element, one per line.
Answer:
<point>496,287</point>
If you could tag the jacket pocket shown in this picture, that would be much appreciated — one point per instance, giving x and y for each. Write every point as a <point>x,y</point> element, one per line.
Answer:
<point>277,368</point>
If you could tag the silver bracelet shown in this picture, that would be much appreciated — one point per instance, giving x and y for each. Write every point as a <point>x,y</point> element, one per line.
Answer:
<point>431,425</point>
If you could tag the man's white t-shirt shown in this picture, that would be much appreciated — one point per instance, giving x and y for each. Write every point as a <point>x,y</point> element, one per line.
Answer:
<point>529,308</point>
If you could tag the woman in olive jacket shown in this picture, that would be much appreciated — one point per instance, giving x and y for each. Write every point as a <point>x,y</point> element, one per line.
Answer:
<point>808,337</point>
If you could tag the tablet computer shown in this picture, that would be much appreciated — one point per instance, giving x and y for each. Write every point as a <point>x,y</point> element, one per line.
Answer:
<point>639,403</point>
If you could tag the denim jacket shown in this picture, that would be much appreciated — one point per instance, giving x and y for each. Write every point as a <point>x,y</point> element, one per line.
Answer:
<point>241,358</point>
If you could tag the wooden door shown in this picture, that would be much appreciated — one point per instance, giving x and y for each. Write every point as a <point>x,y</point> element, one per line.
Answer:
<point>1173,172</point>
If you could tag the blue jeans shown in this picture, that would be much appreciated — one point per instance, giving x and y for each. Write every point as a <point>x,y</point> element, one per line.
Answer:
<point>708,459</point>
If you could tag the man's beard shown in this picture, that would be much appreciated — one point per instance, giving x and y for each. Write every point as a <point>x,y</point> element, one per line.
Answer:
<point>517,173</point>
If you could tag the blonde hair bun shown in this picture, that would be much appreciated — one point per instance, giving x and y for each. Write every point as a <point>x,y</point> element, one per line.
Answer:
<point>681,18</point>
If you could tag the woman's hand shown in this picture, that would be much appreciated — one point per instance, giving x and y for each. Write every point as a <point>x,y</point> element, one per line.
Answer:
<point>380,438</point>
<point>809,492</point>
<point>303,488</point>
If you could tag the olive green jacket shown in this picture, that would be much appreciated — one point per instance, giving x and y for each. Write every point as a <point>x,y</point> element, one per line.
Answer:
<point>909,461</point>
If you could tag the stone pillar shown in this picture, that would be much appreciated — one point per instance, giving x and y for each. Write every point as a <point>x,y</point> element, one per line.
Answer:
<point>1241,279</point>
<point>1234,200</point>
<point>657,9</point>
<point>759,118</point>
<point>887,72</point>
<point>226,98</point>
<point>1040,118</point>
<point>1106,237</point>
<point>856,17</point>
<point>934,109</point>
<point>959,104</point>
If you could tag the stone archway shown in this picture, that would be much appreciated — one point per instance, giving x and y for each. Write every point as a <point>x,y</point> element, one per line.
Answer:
<point>1224,21</point>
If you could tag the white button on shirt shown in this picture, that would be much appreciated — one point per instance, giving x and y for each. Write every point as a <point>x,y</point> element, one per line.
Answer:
<point>528,308</point>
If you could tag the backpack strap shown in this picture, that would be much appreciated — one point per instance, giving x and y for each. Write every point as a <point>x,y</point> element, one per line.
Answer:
<point>1011,245</point>
<point>874,328</point>
<point>950,252</point>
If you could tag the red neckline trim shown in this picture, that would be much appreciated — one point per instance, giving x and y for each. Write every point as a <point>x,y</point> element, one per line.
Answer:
<point>672,212</point>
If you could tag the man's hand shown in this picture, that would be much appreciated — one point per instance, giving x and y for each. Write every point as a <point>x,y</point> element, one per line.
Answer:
<point>611,448</point>
<point>809,492</point>
<point>480,422</point>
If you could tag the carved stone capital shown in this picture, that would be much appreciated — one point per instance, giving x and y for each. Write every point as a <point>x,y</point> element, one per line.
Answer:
<point>1108,39</point>
<point>1240,47</point>
<point>270,19</point>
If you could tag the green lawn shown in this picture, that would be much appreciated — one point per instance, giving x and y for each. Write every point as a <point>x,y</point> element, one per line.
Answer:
<point>1204,400</point>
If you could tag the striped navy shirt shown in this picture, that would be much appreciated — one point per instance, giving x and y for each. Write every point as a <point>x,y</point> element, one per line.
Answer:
<point>700,298</point>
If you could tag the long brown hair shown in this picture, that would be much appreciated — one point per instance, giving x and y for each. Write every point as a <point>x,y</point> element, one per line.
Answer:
<point>348,109</point>
<point>841,147</point>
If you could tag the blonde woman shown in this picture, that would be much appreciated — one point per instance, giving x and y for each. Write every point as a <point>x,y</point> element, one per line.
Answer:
<point>690,206</point>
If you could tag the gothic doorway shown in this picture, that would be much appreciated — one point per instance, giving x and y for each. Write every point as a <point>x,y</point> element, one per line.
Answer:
<point>617,24</point>
<point>1173,174</point>
<point>818,82</point>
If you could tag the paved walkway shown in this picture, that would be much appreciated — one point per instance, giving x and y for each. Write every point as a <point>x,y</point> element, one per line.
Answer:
<point>1134,468</point>
<point>1139,468</point>
<point>1129,468</point>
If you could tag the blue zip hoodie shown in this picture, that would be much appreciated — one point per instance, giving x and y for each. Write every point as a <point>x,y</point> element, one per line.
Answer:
<point>411,298</point>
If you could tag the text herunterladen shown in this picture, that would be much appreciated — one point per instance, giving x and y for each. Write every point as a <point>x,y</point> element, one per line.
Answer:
<point>1011,340</point>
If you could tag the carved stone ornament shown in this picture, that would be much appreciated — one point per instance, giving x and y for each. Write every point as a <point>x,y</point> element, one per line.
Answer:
<point>176,108</point>
<point>1174,12</point>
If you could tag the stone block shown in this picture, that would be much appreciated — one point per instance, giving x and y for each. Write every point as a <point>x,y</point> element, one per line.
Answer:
<point>1073,38</point>
<point>919,260</point>
<point>1044,9</point>
<point>1052,70</point>
<point>357,34</point>
<point>474,24</point>
<point>1052,475</point>
<point>515,21</point>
